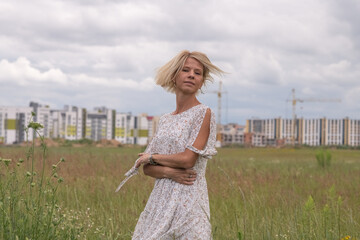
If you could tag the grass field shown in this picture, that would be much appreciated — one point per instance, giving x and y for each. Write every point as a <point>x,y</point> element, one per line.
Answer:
<point>256,193</point>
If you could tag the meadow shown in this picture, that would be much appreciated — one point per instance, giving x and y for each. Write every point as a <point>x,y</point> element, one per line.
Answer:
<point>255,193</point>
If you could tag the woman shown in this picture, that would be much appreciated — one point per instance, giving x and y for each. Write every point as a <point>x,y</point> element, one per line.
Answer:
<point>178,207</point>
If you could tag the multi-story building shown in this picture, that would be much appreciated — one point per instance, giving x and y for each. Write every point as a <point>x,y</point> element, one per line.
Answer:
<point>100,124</point>
<point>286,131</point>
<point>75,123</point>
<point>13,123</point>
<point>332,131</point>
<point>68,123</point>
<point>139,131</point>
<point>265,131</point>
<point>313,132</point>
<point>42,115</point>
<point>310,132</point>
<point>352,132</point>
<point>122,128</point>
<point>232,134</point>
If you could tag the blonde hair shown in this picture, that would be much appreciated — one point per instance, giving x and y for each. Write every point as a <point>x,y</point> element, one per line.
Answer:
<point>167,74</point>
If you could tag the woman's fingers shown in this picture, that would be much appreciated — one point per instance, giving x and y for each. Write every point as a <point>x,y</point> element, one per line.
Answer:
<point>187,177</point>
<point>183,176</point>
<point>138,163</point>
<point>144,158</point>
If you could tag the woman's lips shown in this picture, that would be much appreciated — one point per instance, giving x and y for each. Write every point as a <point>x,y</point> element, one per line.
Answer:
<point>189,82</point>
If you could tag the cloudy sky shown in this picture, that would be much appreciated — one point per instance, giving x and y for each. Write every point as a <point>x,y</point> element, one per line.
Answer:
<point>91,53</point>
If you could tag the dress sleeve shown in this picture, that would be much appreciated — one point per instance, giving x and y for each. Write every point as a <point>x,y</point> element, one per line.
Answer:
<point>209,149</point>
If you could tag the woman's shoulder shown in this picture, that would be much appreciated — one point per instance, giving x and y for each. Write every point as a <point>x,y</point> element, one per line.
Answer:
<point>203,109</point>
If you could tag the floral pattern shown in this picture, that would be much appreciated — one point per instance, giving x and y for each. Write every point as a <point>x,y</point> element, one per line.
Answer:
<point>177,211</point>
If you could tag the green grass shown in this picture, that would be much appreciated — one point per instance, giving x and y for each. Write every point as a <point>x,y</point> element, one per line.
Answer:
<point>256,193</point>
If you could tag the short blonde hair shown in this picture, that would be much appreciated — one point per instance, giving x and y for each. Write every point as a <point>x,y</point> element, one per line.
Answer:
<point>167,74</point>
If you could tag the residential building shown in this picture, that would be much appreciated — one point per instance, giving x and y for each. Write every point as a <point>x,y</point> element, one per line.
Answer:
<point>122,128</point>
<point>232,134</point>
<point>13,124</point>
<point>100,124</point>
<point>312,132</point>
<point>352,132</point>
<point>68,123</point>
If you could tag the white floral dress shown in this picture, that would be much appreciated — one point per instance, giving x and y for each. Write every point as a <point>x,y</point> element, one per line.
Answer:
<point>177,211</point>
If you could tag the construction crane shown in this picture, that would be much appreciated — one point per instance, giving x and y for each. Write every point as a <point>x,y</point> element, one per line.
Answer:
<point>294,100</point>
<point>218,125</point>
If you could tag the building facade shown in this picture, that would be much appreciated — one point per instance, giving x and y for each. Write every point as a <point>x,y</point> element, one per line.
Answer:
<point>312,132</point>
<point>13,124</point>
<point>74,123</point>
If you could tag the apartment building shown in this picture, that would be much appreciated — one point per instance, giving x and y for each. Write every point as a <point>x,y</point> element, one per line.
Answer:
<point>13,122</point>
<point>74,123</point>
<point>139,129</point>
<point>312,132</point>
<point>68,123</point>
<point>264,131</point>
<point>99,124</point>
<point>122,128</point>
<point>232,134</point>
<point>286,131</point>
<point>352,132</point>
<point>332,132</point>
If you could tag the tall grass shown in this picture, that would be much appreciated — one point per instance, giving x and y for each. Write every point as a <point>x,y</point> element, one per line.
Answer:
<point>29,201</point>
<point>254,193</point>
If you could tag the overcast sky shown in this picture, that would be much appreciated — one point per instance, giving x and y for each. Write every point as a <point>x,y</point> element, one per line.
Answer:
<point>91,53</point>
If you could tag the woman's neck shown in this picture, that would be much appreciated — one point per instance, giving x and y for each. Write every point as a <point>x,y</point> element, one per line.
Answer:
<point>184,102</point>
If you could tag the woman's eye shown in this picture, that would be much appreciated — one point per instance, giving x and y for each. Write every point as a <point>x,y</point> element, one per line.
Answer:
<point>185,70</point>
<point>197,73</point>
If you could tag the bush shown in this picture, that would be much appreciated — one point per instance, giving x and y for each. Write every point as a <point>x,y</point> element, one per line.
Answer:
<point>323,158</point>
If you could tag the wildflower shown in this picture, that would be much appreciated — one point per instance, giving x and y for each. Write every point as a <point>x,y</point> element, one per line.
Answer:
<point>35,125</point>
<point>55,175</point>
<point>32,184</point>
<point>28,174</point>
<point>54,166</point>
<point>6,161</point>
<point>62,159</point>
<point>60,180</point>
<point>346,237</point>
<point>21,160</point>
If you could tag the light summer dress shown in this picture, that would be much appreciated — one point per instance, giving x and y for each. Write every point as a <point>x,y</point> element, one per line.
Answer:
<point>177,211</point>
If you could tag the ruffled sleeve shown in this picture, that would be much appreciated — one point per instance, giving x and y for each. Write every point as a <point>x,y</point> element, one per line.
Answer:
<point>209,149</point>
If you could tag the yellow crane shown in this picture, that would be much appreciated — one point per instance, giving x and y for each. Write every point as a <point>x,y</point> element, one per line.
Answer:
<point>294,100</point>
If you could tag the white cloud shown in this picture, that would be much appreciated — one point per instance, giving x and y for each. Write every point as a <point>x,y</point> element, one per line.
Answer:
<point>22,73</point>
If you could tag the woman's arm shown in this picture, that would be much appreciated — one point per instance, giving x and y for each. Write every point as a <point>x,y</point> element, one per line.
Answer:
<point>186,159</point>
<point>183,176</point>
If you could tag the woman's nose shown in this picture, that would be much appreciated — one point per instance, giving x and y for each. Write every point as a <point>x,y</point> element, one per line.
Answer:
<point>191,74</point>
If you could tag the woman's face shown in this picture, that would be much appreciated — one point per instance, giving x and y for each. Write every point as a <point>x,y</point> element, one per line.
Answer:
<point>190,78</point>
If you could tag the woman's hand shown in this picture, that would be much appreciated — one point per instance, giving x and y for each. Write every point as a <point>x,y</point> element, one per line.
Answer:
<point>182,176</point>
<point>143,158</point>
